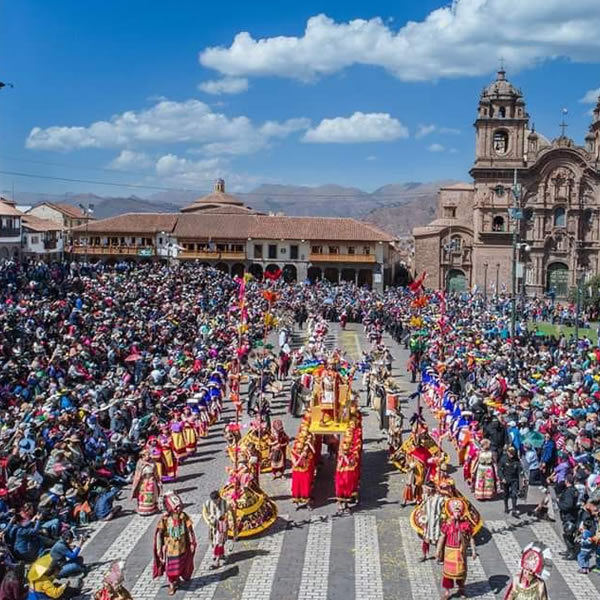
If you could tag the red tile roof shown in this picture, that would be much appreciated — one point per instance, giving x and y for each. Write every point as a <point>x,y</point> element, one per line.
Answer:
<point>241,226</point>
<point>38,224</point>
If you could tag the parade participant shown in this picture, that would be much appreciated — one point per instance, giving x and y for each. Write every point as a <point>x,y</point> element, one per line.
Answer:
<point>452,546</point>
<point>530,583</point>
<point>112,584</point>
<point>303,468</point>
<point>510,470</point>
<point>216,512</point>
<point>414,481</point>
<point>431,519</point>
<point>329,391</point>
<point>176,428</point>
<point>156,454</point>
<point>278,443</point>
<point>174,544</point>
<point>190,434</point>
<point>146,486</point>
<point>486,478</point>
<point>168,456</point>
<point>346,474</point>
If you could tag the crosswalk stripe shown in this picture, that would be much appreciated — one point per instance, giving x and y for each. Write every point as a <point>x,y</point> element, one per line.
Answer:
<point>315,572</point>
<point>259,582</point>
<point>579,585</point>
<point>420,574</point>
<point>369,584</point>
<point>119,549</point>
<point>146,587</point>
<point>96,527</point>
<point>477,580</point>
<point>507,544</point>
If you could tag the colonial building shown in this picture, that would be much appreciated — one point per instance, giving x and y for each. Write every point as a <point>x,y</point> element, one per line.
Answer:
<point>555,207</point>
<point>42,238</point>
<point>65,215</point>
<point>10,230</point>
<point>219,230</point>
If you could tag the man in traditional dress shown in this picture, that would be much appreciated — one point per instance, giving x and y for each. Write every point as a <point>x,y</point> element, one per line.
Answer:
<point>432,508</point>
<point>457,533</point>
<point>174,544</point>
<point>329,388</point>
<point>112,586</point>
<point>278,448</point>
<point>217,512</point>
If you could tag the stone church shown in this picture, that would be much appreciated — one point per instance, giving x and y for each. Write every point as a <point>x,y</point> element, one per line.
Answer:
<point>555,207</point>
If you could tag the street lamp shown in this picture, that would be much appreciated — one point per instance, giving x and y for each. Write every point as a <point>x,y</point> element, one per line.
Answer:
<point>515,214</point>
<point>497,279</point>
<point>580,278</point>
<point>87,211</point>
<point>485,268</point>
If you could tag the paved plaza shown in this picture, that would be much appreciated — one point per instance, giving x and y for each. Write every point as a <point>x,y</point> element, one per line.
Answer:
<point>315,555</point>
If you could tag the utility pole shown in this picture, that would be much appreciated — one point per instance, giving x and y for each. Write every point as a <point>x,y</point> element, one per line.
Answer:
<point>87,211</point>
<point>515,241</point>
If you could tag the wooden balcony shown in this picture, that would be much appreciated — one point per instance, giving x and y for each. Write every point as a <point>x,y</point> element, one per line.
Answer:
<point>10,232</point>
<point>208,255</point>
<point>115,250</point>
<point>342,258</point>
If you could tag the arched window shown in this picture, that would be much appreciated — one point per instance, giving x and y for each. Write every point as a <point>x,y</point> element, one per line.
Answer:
<point>502,112</point>
<point>456,244</point>
<point>498,224</point>
<point>528,214</point>
<point>500,142</point>
<point>560,218</point>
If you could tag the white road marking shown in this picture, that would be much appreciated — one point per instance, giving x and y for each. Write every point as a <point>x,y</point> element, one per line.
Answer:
<point>367,568</point>
<point>315,572</point>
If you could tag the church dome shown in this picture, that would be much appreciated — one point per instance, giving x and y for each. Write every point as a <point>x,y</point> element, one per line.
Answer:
<point>501,88</point>
<point>217,201</point>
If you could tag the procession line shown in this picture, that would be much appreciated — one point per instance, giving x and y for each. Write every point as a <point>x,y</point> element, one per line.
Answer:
<point>146,587</point>
<point>315,572</point>
<point>367,566</point>
<point>420,574</point>
<point>119,549</point>
<point>579,585</point>
<point>261,576</point>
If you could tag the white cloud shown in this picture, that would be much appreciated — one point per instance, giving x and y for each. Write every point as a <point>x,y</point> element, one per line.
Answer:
<point>435,148</point>
<point>129,159</point>
<point>371,158</point>
<point>168,122</point>
<point>360,127</point>
<point>227,85</point>
<point>465,38</point>
<point>424,130</point>
<point>591,96</point>
<point>453,150</point>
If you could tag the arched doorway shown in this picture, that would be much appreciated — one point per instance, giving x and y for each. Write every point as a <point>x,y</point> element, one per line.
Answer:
<point>365,277</point>
<point>256,271</point>
<point>237,270</point>
<point>314,274</point>
<point>557,280</point>
<point>332,274</point>
<point>222,267</point>
<point>272,268</point>
<point>457,281</point>
<point>348,275</point>
<point>290,273</point>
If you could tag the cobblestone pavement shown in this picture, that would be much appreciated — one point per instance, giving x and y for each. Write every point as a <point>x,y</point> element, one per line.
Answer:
<point>369,555</point>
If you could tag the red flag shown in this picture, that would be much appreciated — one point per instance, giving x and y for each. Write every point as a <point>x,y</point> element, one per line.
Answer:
<point>417,286</point>
<point>273,275</point>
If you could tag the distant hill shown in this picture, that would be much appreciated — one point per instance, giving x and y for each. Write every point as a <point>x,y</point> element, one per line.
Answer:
<point>396,207</point>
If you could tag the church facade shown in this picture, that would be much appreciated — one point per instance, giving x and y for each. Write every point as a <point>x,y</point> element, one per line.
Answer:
<point>554,207</point>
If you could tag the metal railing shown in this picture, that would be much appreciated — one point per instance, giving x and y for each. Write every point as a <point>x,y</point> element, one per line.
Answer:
<point>342,258</point>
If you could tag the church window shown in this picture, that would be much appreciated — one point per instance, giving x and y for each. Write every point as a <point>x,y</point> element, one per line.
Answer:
<point>456,244</point>
<point>499,191</point>
<point>449,212</point>
<point>560,218</point>
<point>502,112</point>
<point>498,224</point>
<point>500,142</point>
<point>588,216</point>
<point>528,214</point>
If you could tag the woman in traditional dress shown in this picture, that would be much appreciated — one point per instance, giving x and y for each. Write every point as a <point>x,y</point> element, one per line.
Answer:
<point>174,544</point>
<point>170,462</point>
<point>530,583</point>
<point>189,431</point>
<point>146,486</point>
<point>177,437</point>
<point>278,448</point>
<point>485,479</point>
<point>155,453</point>
<point>346,479</point>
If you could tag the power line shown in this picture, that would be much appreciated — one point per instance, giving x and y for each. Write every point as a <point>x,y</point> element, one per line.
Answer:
<point>141,186</point>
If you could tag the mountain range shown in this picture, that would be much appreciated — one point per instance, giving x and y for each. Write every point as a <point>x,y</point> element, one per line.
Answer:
<point>395,208</point>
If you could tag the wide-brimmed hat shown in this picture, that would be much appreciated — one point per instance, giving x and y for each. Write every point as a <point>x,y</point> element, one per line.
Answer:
<point>57,489</point>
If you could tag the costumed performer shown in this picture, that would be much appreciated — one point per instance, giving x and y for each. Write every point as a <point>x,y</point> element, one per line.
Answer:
<point>278,443</point>
<point>112,585</point>
<point>216,512</point>
<point>146,486</point>
<point>530,583</point>
<point>457,533</point>
<point>174,544</point>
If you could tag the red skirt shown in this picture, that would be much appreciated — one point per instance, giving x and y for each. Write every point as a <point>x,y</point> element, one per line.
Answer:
<point>302,484</point>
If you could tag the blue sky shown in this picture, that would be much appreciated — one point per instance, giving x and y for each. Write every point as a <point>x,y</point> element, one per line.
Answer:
<point>125,92</point>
